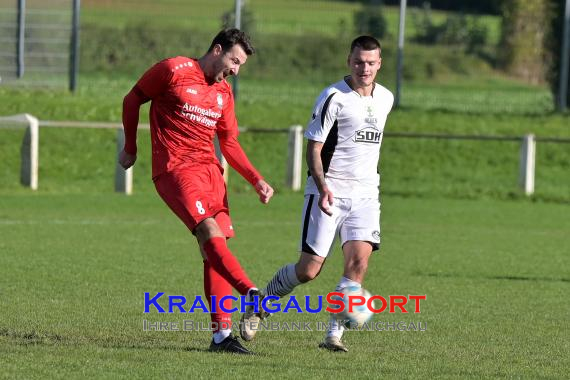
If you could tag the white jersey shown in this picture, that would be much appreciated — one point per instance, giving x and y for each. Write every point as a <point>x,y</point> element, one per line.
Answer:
<point>351,127</point>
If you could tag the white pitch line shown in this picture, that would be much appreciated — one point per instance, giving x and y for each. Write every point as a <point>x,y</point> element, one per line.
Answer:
<point>76,222</point>
<point>10,222</point>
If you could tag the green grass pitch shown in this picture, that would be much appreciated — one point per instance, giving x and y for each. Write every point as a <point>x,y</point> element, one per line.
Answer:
<point>74,269</point>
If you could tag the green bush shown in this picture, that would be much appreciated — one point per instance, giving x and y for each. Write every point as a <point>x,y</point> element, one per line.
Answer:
<point>320,58</point>
<point>136,47</point>
<point>371,21</point>
<point>523,32</point>
<point>247,20</point>
<point>467,33</point>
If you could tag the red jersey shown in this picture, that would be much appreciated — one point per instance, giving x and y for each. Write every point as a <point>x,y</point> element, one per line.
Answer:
<point>185,113</point>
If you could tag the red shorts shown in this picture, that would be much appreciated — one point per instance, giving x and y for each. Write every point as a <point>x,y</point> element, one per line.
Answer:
<point>195,193</point>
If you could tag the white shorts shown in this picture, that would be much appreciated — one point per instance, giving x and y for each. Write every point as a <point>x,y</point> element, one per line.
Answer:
<point>352,219</point>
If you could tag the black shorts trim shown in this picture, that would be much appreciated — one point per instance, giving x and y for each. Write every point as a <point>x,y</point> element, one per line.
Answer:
<point>304,246</point>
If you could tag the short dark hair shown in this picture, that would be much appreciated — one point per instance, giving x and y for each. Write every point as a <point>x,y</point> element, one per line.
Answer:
<point>227,38</point>
<point>365,43</point>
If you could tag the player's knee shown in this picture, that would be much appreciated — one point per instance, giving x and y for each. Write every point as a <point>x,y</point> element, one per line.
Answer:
<point>206,230</point>
<point>308,273</point>
<point>307,276</point>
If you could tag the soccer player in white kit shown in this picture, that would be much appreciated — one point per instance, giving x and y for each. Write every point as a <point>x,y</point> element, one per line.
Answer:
<point>342,192</point>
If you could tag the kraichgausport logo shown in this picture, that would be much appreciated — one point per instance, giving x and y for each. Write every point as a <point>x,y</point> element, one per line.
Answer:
<point>273,304</point>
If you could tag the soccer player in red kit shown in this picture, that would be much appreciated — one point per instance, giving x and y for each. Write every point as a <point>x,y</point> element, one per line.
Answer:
<point>191,102</point>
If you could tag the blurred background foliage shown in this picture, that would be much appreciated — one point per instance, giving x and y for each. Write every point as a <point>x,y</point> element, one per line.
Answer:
<point>308,40</point>
<point>470,68</point>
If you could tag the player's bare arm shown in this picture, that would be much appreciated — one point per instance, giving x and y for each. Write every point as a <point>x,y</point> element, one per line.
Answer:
<point>131,107</point>
<point>316,168</point>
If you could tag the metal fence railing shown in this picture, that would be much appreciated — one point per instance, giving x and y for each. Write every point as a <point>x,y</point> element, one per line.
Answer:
<point>293,161</point>
<point>36,40</point>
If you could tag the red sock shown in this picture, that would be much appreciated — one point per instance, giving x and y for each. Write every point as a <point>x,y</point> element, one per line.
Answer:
<point>216,285</point>
<point>225,263</point>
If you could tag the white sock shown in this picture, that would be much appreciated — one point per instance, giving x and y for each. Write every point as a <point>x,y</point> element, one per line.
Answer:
<point>221,334</point>
<point>335,328</point>
<point>283,282</point>
<point>345,282</point>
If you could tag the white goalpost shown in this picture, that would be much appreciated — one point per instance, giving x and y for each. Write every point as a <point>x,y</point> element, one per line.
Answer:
<point>30,146</point>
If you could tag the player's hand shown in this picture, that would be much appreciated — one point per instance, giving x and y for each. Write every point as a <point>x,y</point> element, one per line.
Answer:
<point>264,191</point>
<point>326,201</point>
<point>126,160</point>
